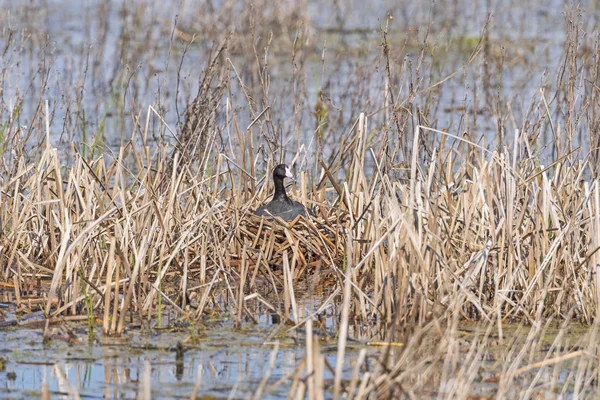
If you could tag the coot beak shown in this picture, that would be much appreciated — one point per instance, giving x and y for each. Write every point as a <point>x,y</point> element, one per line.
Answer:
<point>288,173</point>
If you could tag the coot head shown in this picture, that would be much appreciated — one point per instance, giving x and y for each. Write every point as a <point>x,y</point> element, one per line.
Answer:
<point>282,171</point>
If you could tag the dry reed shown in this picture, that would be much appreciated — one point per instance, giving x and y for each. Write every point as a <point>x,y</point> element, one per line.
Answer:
<point>415,228</point>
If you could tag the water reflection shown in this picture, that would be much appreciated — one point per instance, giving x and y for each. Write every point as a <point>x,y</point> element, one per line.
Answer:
<point>222,362</point>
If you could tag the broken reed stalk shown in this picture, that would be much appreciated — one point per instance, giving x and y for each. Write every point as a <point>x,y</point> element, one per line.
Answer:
<point>108,291</point>
<point>289,285</point>
<point>345,315</point>
<point>596,243</point>
<point>242,285</point>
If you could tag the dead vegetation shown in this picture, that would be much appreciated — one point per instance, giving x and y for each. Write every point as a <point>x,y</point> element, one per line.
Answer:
<point>416,228</point>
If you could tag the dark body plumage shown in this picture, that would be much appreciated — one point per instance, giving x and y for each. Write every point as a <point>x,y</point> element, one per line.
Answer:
<point>281,205</point>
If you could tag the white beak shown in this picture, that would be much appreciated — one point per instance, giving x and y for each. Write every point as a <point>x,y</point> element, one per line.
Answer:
<point>288,173</point>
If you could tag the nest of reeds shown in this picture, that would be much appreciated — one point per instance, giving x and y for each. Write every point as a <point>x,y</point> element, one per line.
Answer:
<point>308,241</point>
<point>304,245</point>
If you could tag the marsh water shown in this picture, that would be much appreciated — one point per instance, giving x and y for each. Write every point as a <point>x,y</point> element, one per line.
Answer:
<point>110,61</point>
<point>213,359</point>
<point>219,362</point>
<point>223,363</point>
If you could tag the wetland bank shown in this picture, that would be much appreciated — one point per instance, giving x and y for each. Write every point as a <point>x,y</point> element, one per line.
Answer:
<point>449,152</point>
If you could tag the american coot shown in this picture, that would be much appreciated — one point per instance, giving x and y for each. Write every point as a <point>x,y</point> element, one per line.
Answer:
<point>281,205</point>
